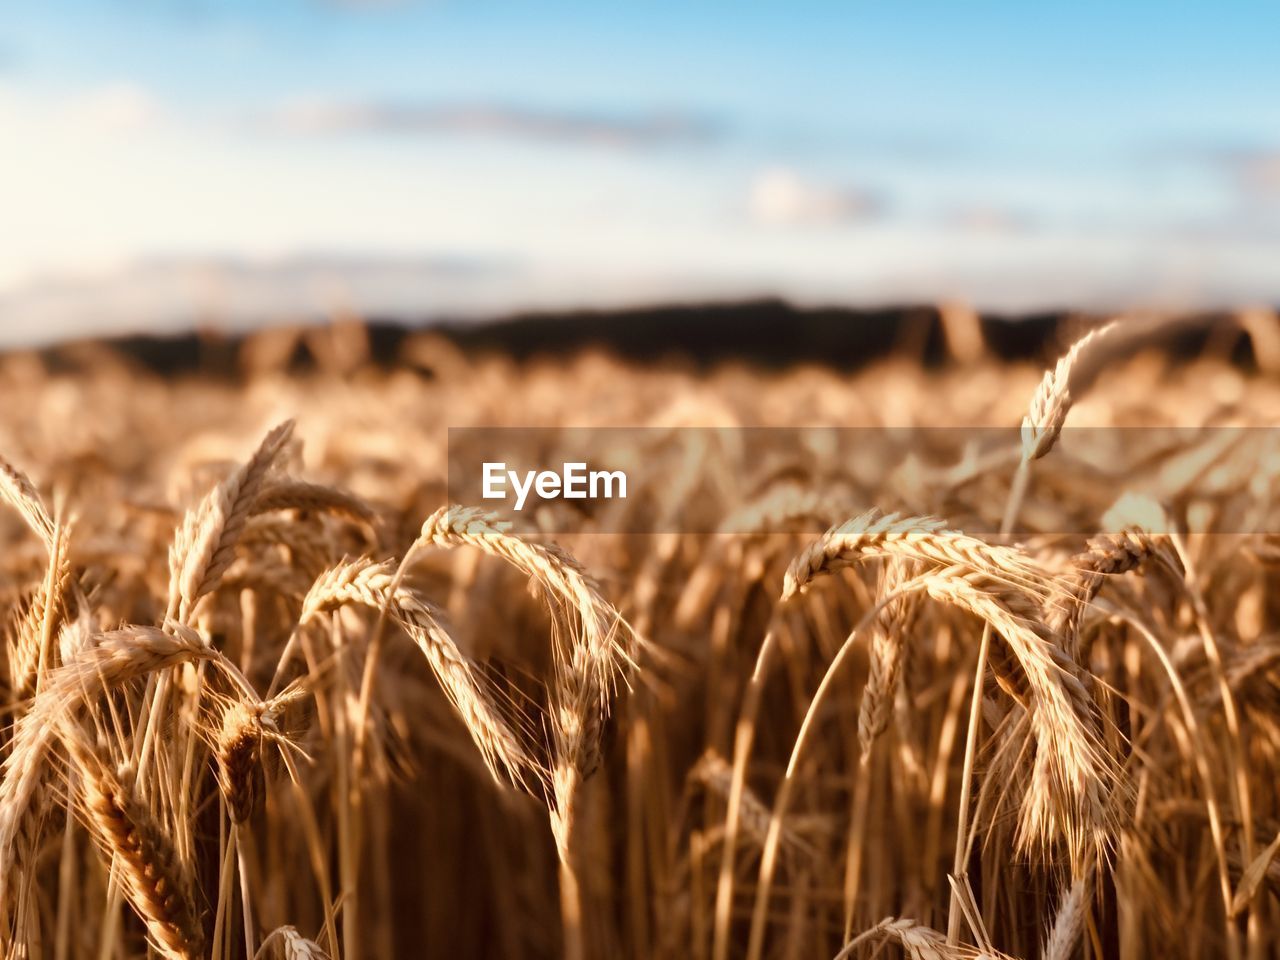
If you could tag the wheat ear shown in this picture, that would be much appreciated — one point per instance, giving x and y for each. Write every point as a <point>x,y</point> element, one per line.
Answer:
<point>34,630</point>
<point>32,650</point>
<point>294,946</point>
<point>157,883</point>
<point>113,658</point>
<point>1068,922</point>
<point>237,752</point>
<point>926,539</point>
<point>714,772</point>
<point>1052,400</point>
<point>917,941</point>
<point>205,543</point>
<point>17,488</point>
<point>1075,778</point>
<point>290,494</point>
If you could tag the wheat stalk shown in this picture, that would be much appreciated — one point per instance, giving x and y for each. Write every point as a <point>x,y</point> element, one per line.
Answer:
<point>715,773</point>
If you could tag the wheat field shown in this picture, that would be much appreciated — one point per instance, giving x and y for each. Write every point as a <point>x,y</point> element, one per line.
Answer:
<point>269,694</point>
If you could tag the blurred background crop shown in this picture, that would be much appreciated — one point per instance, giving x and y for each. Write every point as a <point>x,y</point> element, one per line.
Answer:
<point>212,163</point>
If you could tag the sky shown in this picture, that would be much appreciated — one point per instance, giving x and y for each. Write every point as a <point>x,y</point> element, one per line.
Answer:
<point>237,162</point>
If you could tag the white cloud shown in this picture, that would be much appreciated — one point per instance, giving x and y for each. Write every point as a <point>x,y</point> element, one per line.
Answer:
<point>1253,172</point>
<point>983,218</point>
<point>1259,173</point>
<point>781,197</point>
<point>118,108</point>
<point>318,115</point>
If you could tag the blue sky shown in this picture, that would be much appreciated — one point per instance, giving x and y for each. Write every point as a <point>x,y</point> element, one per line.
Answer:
<point>242,159</point>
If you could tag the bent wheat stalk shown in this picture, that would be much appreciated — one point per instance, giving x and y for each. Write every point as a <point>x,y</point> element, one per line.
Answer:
<point>1041,427</point>
<point>591,655</point>
<point>375,585</point>
<point>1106,555</point>
<point>917,941</point>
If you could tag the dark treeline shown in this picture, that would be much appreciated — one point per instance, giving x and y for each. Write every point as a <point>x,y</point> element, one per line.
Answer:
<point>766,333</point>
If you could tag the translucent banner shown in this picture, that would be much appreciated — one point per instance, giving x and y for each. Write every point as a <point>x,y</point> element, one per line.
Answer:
<point>743,480</point>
